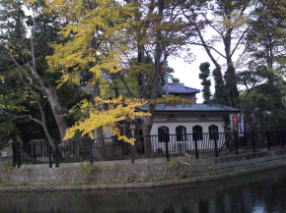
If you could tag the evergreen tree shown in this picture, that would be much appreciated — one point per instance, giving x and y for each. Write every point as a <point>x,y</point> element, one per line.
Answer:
<point>228,20</point>
<point>267,36</point>
<point>219,95</point>
<point>204,75</point>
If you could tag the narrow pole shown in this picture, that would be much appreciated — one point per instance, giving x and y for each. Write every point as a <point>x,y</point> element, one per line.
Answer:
<point>282,134</point>
<point>57,155</point>
<point>253,141</point>
<point>167,150</point>
<point>236,143</point>
<point>18,155</point>
<point>132,153</point>
<point>133,127</point>
<point>49,155</point>
<point>216,148</point>
<point>91,151</point>
<point>268,140</point>
<point>14,150</point>
<point>196,149</point>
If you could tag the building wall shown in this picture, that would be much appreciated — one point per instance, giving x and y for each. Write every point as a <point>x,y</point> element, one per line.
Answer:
<point>189,122</point>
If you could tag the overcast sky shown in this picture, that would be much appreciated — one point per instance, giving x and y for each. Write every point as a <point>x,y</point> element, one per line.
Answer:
<point>188,72</point>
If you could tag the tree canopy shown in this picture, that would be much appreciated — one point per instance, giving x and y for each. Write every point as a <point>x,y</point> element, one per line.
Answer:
<point>70,67</point>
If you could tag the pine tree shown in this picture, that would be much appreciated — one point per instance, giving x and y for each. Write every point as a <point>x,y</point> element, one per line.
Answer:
<point>206,83</point>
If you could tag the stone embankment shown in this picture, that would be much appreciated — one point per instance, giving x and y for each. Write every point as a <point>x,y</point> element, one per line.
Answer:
<point>144,173</point>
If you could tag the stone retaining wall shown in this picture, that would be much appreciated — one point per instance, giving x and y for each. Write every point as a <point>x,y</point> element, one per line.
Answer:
<point>145,172</point>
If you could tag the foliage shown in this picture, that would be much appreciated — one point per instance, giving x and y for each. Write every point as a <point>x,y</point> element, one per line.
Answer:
<point>262,100</point>
<point>228,22</point>
<point>90,36</point>
<point>204,75</point>
<point>119,109</point>
<point>104,51</point>
<point>267,37</point>
<point>219,95</point>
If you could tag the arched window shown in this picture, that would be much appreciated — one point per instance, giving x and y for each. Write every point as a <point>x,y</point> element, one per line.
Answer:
<point>197,133</point>
<point>163,134</point>
<point>181,133</point>
<point>213,132</point>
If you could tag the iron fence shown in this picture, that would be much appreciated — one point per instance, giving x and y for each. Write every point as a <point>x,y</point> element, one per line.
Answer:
<point>151,146</point>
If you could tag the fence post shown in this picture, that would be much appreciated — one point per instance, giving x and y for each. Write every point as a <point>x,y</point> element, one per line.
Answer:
<point>216,149</point>
<point>253,141</point>
<point>132,153</point>
<point>282,134</point>
<point>18,155</point>
<point>228,141</point>
<point>196,149</point>
<point>57,155</point>
<point>236,143</point>
<point>268,140</point>
<point>15,154</point>
<point>133,127</point>
<point>91,152</point>
<point>49,155</point>
<point>167,149</point>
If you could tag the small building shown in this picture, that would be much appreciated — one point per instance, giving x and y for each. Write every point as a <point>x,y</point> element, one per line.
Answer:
<point>190,117</point>
<point>180,125</point>
<point>183,125</point>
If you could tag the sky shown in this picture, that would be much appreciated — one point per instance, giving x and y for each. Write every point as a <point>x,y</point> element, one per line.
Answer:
<point>188,72</point>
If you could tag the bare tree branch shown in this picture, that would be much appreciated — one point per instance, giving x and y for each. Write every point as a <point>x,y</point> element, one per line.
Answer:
<point>204,44</point>
<point>239,41</point>
<point>210,47</point>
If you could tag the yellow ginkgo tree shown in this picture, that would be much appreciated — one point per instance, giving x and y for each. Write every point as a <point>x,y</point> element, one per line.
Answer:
<point>94,39</point>
<point>119,109</point>
<point>95,47</point>
<point>94,44</point>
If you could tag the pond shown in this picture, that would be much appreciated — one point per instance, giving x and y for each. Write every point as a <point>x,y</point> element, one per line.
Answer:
<point>260,193</point>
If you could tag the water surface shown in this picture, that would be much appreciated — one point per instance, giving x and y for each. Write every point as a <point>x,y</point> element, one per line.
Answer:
<point>260,193</point>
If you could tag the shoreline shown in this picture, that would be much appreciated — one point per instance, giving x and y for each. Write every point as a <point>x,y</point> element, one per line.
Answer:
<point>217,175</point>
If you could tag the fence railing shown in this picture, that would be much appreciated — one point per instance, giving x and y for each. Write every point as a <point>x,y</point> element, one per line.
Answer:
<point>151,146</point>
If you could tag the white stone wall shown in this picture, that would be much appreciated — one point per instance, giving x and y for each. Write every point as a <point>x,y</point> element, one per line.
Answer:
<point>188,121</point>
<point>189,126</point>
<point>177,147</point>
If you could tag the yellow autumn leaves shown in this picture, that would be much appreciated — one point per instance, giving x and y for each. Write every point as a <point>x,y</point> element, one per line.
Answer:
<point>90,38</point>
<point>106,113</point>
<point>95,42</point>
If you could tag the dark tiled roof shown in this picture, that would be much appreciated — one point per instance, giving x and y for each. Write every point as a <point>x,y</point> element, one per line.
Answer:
<point>191,108</point>
<point>179,88</point>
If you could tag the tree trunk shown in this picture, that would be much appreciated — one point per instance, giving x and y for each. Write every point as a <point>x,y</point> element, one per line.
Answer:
<point>57,110</point>
<point>49,137</point>
<point>231,84</point>
<point>140,60</point>
<point>146,129</point>
<point>158,52</point>
<point>99,136</point>
<point>156,80</point>
<point>43,123</point>
<point>230,75</point>
<point>99,143</point>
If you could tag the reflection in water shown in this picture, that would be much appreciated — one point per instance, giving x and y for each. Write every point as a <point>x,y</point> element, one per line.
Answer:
<point>252,194</point>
